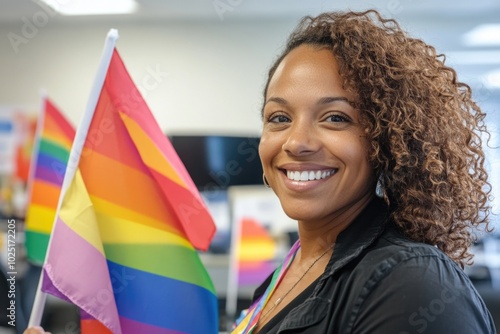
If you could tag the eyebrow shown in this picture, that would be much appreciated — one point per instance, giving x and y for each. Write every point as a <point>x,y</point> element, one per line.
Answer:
<point>278,100</point>
<point>331,99</point>
<point>321,101</point>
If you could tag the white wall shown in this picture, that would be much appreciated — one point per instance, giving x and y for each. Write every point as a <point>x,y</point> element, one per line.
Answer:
<point>209,75</point>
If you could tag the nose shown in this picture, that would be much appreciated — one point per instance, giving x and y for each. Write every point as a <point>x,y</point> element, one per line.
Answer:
<point>302,140</point>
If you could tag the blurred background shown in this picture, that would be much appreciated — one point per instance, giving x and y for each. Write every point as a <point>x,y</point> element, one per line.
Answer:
<point>201,67</point>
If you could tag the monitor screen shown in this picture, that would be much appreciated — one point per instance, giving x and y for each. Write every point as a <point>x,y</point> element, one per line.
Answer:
<point>218,162</point>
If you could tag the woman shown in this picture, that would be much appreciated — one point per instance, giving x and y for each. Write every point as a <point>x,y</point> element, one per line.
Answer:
<point>354,104</point>
<point>354,107</point>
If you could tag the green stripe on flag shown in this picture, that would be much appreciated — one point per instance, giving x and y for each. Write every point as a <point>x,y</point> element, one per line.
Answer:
<point>172,261</point>
<point>36,246</point>
<point>54,150</point>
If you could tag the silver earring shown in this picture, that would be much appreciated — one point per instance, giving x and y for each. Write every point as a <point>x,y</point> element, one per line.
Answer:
<point>379,190</point>
<point>266,184</point>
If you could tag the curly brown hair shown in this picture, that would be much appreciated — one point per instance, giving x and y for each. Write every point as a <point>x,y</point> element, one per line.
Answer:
<point>424,129</point>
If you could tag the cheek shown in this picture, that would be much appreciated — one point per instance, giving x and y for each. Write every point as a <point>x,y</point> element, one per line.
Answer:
<point>263,154</point>
<point>357,154</point>
<point>269,149</point>
<point>361,159</point>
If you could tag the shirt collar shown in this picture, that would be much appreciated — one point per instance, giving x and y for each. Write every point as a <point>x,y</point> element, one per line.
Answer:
<point>361,233</point>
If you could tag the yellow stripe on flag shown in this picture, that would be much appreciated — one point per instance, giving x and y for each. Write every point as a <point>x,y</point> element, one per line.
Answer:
<point>256,251</point>
<point>110,209</point>
<point>41,218</point>
<point>77,212</point>
<point>58,139</point>
<point>118,230</point>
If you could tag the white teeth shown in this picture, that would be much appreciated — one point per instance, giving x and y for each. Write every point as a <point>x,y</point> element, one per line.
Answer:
<point>309,175</point>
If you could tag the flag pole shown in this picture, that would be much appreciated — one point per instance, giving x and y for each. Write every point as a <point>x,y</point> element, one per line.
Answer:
<point>74,158</point>
<point>36,143</point>
<point>232,281</point>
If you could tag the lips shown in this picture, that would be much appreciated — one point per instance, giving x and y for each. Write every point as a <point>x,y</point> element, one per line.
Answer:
<point>309,175</point>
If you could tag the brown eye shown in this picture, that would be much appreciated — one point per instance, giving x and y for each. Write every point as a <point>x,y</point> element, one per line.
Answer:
<point>336,118</point>
<point>279,119</point>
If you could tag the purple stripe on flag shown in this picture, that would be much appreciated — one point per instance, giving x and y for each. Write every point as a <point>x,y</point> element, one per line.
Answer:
<point>254,273</point>
<point>85,282</point>
<point>51,175</point>
<point>48,287</point>
<point>133,327</point>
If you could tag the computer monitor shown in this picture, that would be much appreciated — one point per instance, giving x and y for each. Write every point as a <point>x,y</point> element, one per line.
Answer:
<point>218,162</point>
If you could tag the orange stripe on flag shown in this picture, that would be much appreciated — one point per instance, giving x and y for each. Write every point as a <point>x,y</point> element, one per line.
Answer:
<point>125,187</point>
<point>61,124</point>
<point>109,137</point>
<point>150,153</point>
<point>46,194</point>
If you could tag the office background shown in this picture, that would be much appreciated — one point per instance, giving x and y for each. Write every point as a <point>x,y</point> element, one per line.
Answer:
<point>201,64</point>
<point>202,68</point>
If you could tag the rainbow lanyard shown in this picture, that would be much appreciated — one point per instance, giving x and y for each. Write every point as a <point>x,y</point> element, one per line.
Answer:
<point>248,323</point>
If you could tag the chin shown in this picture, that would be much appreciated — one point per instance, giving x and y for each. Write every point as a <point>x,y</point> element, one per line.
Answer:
<point>299,213</point>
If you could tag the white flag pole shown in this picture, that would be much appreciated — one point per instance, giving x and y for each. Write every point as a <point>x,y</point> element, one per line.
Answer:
<point>74,157</point>
<point>232,281</point>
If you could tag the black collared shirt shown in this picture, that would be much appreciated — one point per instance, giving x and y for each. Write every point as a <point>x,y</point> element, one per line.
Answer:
<point>380,282</point>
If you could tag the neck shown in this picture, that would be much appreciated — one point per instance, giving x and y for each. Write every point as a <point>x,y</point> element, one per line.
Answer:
<point>316,237</point>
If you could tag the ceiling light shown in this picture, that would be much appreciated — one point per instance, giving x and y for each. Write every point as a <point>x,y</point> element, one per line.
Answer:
<point>483,35</point>
<point>492,79</point>
<point>92,7</point>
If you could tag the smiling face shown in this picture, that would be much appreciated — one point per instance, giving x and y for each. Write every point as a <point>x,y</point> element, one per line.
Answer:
<point>313,149</point>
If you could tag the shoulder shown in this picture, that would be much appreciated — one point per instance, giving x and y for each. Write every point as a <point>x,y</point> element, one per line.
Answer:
<point>392,249</point>
<point>417,265</point>
<point>415,286</point>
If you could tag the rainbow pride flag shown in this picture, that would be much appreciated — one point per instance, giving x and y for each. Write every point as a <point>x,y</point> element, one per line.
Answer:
<point>50,156</point>
<point>124,245</point>
<point>256,252</point>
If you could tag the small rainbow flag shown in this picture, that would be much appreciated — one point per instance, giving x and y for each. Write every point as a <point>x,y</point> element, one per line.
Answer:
<point>50,156</point>
<point>24,149</point>
<point>124,245</point>
<point>256,252</point>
